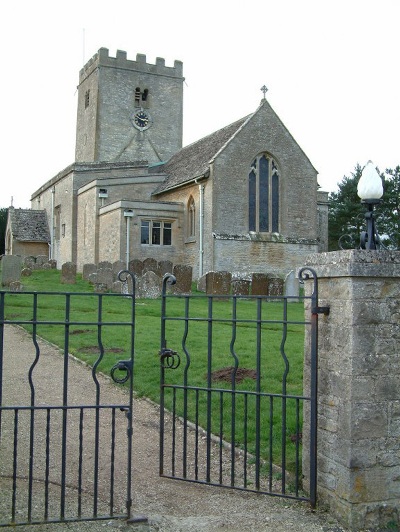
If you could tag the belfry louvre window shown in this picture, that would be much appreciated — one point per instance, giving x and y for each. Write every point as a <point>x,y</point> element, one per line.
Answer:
<point>264,195</point>
<point>157,233</point>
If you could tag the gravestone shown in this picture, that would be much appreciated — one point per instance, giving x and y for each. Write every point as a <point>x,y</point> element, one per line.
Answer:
<point>41,260</point>
<point>150,265</point>
<point>88,269</point>
<point>105,277</point>
<point>136,266</point>
<point>29,262</point>
<point>68,273</point>
<point>164,266</point>
<point>218,283</point>
<point>26,272</point>
<point>183,274</point>
<point>240,287</point>
<point>11,266</point>
<point>201,283</point>
<point>259,284</point>
<point>105,264</point>
<point>118,266</point>
<point>275,286</point>
<point>292,287</point>
<point>150,285</point>
<point>15,286</point>
<point>53,264</point>
<point>92,277</point>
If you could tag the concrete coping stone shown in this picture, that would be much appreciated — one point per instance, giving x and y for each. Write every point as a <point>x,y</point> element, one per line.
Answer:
<point>355,263</point>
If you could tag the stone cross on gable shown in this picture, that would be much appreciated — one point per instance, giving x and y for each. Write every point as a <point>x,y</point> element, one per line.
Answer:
<point>264,90</point>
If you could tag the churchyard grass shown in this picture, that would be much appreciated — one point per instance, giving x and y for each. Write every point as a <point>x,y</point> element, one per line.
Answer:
<point>227,344</point>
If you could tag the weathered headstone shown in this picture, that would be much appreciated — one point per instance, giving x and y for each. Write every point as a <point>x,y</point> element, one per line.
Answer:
<point>92,277</point>
<point>275,286</point>
<point>26,272</point>
<point>292,287</point>
<point>150,285</point>
<point>11,266</point>
<point>183,275</point>
<point>68,273</point>
<point>136,266</point>
<point>118,266</point>
<point>150,265</point>
<point>41,260</point>
<point>117,287</point>
<point>87,270</point>
<point>201,283</point>
<point>29,262</point>
<point>259,284</point>
<point>105,264</point>
<point>240,287</point>
<point>218,283</point>
<point>53,264</point>
<point>105,277</point>
<point>15,286</point>
<point>164,266</point>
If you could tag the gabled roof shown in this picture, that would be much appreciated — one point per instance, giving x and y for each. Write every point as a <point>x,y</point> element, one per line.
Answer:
<point>193,161</point>
<point>29,225</point>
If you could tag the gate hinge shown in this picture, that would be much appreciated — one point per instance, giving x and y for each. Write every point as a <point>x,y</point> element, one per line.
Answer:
<point>320,310</point>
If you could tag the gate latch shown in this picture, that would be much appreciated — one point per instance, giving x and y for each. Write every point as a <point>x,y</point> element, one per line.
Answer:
<point>320,310</point>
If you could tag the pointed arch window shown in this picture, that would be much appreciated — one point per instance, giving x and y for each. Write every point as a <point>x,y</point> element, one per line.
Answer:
<point>264,195</point>
<point>191,212</point>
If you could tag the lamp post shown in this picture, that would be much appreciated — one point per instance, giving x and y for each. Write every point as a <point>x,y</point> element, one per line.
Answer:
<point>370,190</point>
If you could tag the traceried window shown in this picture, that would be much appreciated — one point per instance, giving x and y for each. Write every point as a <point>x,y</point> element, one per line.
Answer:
<point>191,214</point>
<point>264,195</point>
<point>156,233</point>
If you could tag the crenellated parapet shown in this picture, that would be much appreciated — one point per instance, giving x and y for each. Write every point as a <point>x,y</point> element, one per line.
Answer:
<point>103,59</point>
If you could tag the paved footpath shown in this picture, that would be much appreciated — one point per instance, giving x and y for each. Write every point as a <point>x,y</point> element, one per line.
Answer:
<point>169,505</point>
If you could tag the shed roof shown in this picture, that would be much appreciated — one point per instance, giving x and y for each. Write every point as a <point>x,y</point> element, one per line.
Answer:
<point>29,225</point>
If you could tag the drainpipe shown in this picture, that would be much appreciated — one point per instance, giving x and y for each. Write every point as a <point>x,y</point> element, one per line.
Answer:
<point>128,215</point>
<point>201,230</point>
<point>53,191</point>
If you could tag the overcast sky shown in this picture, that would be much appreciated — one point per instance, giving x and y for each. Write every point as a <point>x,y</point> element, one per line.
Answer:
<point>331,67</point>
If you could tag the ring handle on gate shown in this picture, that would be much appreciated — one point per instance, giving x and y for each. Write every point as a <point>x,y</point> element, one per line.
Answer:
<point>121,366</point>
<point>169,359</point>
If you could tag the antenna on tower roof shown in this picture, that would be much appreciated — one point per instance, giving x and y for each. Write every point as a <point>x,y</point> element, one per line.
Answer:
<point>83,46</point>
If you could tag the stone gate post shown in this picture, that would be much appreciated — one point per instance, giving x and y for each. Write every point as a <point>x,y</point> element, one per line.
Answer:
<point>359,387</point>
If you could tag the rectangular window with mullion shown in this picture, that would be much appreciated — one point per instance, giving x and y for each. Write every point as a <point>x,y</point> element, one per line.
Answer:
<point>156,233</point>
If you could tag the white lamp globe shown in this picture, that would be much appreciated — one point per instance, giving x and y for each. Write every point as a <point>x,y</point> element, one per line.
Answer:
<point>370,184</point>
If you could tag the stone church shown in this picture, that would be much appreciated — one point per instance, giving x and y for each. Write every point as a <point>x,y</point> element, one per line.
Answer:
<point>243,199</point>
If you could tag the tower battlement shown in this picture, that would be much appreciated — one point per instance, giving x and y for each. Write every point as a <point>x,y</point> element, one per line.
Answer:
<point>103,59</point>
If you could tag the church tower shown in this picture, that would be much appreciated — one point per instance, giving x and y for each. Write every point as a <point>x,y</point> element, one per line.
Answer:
<point>128,110</point>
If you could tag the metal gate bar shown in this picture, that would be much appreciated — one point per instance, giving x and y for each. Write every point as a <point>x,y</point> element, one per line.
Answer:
<point>234,436</point>
<point>70,471</point>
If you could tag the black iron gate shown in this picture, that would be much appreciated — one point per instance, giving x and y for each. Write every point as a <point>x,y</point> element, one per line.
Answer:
<point>232,399</point>
<point>65,455</point>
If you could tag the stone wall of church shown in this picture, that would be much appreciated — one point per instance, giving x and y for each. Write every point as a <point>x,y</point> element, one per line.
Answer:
<point>260,256</point>
<point>298,179</point>
<point>187,246</point>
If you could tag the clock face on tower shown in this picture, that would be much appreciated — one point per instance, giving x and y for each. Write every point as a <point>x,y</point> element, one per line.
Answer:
<point>141,119</point>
